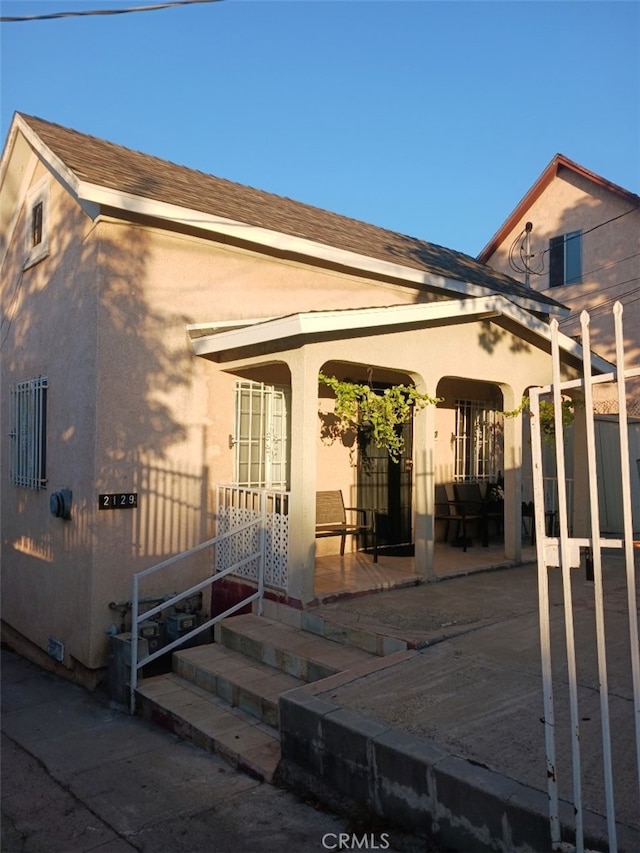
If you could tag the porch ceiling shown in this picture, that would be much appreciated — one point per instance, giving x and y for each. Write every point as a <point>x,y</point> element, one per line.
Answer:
<point>214,340</point>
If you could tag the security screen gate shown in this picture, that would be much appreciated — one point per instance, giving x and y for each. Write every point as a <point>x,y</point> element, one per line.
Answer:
<point>562,553</point>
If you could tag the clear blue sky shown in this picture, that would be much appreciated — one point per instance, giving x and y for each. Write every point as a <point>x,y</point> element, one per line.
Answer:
<point>428,118</point>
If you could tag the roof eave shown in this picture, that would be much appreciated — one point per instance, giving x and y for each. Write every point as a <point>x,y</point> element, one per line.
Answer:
<point>274,331</point>
<point>546,177</point>
<point>278,240</point>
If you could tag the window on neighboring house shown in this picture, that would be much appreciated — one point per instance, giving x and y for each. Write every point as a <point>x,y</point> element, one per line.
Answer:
<point>29,433</point>
<point>261,440</point>
<point>37,230</point>
<point>565,259</point>
<point>476,441</point>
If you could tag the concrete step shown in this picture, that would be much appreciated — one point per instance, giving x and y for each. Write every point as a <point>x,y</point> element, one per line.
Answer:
<point>195,714</point>
<point>243,683</point>
<point>298,653</point>
<point>321,622</point>
<point>224,696</point>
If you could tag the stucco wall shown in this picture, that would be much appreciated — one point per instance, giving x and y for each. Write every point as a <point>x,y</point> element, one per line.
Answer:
<point>47,564</point>
<point>130,409</point>
<point>610,262</point>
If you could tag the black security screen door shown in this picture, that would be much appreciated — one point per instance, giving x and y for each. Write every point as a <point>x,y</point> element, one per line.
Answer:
<point>385,486</point>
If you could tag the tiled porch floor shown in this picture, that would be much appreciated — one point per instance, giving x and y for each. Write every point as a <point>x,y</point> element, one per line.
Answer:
<point>357,572</point>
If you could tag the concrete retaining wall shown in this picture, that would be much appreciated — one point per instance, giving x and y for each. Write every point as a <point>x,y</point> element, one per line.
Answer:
<point>413,784</point>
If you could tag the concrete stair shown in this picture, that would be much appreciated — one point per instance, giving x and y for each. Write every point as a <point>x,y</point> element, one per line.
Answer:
<point>224,696</point>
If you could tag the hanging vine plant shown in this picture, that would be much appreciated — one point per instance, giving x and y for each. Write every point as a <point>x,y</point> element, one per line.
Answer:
<point>547,415</point>
<point>373,416</point>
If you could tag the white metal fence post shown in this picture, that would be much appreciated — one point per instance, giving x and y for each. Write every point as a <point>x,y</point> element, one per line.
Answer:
<point>565,566</point>
<point>596,556</point>
<point>563,550</point>
<point>545,628</point>
<point>628,525</point>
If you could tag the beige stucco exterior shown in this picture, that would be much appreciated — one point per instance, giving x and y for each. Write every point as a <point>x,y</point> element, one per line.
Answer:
<point>104,315</point>
<point>609,219</point>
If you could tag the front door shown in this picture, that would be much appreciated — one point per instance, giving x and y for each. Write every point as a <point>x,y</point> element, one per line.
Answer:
<point>386,486</point>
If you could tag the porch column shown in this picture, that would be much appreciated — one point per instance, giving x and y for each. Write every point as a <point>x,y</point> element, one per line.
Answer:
<point>304,449</point>
<point>512,483</point>
<point>423,478</point>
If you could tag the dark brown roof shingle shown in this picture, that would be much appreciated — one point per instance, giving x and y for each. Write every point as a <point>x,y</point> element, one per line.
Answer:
<point>107,164</point>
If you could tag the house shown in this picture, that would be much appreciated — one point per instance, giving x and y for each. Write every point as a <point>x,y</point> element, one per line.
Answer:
<point>163,331</point>
<point>575,237</point>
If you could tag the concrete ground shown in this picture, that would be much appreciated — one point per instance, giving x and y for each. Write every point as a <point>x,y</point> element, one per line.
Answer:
<point>475,686</point>
<point>79,777</point>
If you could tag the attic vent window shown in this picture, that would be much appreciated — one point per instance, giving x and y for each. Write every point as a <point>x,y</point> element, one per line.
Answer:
<point>37,225</point>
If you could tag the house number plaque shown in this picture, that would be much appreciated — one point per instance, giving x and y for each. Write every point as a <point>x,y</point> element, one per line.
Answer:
<point>124,500</point>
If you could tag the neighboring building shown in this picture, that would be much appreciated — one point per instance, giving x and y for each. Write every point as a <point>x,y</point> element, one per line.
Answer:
<point>583,250</point>
<point>162,333</point>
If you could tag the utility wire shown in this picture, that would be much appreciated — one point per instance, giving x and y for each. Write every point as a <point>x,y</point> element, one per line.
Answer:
<point>595,227</point>
<point>525,268</point>
<point>599,306</point>
<point>9,19</point>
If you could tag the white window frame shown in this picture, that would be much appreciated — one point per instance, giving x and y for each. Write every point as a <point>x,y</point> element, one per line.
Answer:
<point>261,436</point>
<point>476,442</point>
<point>29,433</point>
<point>36,251</point>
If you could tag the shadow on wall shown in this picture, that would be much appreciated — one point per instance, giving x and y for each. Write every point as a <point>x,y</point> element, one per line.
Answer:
<point>82,317</point>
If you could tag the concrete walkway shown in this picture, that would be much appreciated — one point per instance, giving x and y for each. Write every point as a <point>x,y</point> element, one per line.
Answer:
<point>79,777</point>
<point>474,688</point>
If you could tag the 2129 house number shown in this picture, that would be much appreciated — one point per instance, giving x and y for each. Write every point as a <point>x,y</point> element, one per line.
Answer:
<point>124,500</point>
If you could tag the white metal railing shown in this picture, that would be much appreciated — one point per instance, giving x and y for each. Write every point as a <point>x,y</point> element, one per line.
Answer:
<point>257,557</point>
<point>236,505</point>
<point>563,551</point>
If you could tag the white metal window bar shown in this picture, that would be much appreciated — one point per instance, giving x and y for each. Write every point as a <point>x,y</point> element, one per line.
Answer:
<point>28,433</point>
<point>475,441</point>
<point>564,552</point>
<point>261,435</point>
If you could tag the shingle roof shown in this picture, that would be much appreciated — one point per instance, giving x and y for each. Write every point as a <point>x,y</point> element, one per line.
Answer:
<point>107,164</point>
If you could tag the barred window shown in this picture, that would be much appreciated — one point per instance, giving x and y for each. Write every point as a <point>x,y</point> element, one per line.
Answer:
<point>261,438</point>
<point>475,441</point>
<point>29,433</point>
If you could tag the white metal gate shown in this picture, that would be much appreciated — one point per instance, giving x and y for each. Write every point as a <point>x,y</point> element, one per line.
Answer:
<point>563,553</point>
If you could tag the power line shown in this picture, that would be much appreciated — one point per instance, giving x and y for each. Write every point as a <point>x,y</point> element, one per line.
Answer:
<point>595,227</point>
<point>609,266</point>
<point>599,306</point>
<point>541,270</point>
<point>7,19</point>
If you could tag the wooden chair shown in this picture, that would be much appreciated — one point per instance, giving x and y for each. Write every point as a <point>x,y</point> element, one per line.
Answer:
<point>449,509</point>
<point>469,495</point>
<point>331,520</point>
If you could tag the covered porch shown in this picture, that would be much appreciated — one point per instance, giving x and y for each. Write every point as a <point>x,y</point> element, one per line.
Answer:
<point>356,573</point>
<point>485,350</point>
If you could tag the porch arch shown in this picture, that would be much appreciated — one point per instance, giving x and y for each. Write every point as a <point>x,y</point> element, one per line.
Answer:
<point>475,442</point>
